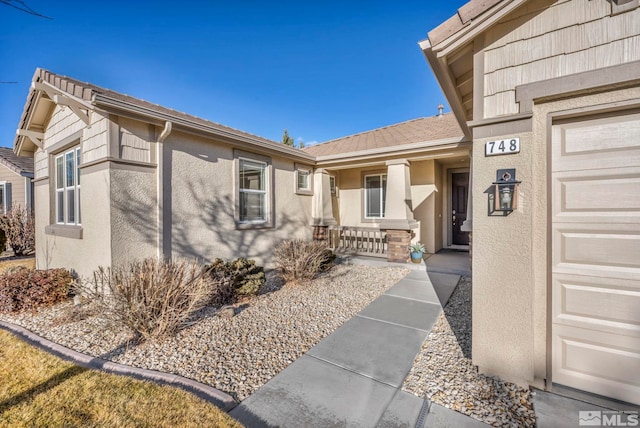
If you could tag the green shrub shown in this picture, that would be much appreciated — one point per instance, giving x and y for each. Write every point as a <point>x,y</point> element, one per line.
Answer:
<point>18,226</point>
<point>27,289</point>
<point>240,277</point>
<point>299,260</point>
<point>153,298</point>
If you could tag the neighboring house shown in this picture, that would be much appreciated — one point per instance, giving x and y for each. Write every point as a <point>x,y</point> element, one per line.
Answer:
<point>16,180</point>
<point>556,283</point>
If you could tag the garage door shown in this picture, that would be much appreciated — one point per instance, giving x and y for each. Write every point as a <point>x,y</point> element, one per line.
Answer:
<point>596,254</point>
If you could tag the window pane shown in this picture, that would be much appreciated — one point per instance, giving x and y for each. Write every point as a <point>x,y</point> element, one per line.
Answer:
<point>78,166</point>
<point>384,195</point>
<point>252,175</point>
<point>375,194</point>
<point>59,173</point>
<point>303,180</point>
<point>60,207</point>
<point>2,198</point>
<point>253,206</point>
<point>79,205</point>
<point>71,206</point>
<point>69,168</point>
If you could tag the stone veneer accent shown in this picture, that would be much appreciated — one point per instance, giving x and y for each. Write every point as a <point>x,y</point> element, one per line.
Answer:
<point>398,242</point>
<point>321,234</point>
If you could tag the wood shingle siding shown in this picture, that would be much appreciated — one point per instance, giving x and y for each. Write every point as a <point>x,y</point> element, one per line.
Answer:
<point>544,40</point>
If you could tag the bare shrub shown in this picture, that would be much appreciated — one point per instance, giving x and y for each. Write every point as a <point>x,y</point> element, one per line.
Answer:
<point>300,261</point>
<point>153,298</point>
<point>20,231</point>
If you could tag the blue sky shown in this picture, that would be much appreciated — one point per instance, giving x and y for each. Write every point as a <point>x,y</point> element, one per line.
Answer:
<point>322,70</point>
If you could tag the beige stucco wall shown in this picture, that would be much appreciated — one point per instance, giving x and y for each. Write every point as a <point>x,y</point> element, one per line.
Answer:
<point>81,255</point>
<point>545,39</point>
<point>510,253</point>
<point>133,211</point>
<point>202,200</point>
<point>428,193</point>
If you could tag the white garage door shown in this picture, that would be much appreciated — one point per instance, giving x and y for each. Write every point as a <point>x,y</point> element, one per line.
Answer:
<point>596,254</point>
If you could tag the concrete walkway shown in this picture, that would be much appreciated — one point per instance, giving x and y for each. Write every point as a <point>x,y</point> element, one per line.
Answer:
<point>354,376</point>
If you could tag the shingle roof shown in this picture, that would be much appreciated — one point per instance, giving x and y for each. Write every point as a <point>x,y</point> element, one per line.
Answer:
<point>466,13</point>
<point>419,130</point>
<point>87,91</point>
<point>20,164</point>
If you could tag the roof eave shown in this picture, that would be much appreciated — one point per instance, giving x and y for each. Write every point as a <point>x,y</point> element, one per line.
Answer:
<point>445,80</point>
<point>121,106</point>
<point>404,149</point>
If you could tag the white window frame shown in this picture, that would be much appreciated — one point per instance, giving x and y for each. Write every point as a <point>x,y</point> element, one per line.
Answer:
<point>299,171</point>
<point>64,188</point>
<point>264,193</point>
<point>3,185</point>
<point>383,179</point>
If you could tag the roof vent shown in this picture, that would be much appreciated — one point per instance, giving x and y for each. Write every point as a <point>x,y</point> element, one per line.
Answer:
<point>440,108</point>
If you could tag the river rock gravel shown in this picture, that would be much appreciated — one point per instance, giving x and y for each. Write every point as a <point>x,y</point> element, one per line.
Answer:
<point>236,355</point>
<point>444,373</point>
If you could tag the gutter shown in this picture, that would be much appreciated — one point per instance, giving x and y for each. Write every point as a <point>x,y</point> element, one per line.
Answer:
<point>444,144</point>
<point>101,100</point>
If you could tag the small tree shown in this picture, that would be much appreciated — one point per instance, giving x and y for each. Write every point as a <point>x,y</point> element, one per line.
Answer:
<point>287,139</point>
<point>19,228</point>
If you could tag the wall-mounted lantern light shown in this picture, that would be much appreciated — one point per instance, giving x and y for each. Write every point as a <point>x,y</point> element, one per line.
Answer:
<point>505,193</point>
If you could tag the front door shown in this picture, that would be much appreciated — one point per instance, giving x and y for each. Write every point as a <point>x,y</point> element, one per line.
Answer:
<point>459,192</point>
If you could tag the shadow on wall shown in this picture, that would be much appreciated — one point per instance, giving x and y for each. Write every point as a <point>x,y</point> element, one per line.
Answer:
<point>200,224</point>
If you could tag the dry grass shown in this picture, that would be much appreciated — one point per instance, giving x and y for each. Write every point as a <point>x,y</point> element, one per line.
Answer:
<point>28,262</point>
<point>38,389</point>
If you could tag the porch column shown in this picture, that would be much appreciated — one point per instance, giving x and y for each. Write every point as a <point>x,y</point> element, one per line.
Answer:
<point>398,219</point>
<point>321,208</point>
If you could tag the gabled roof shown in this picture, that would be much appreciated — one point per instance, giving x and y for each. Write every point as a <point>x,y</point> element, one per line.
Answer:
<point>421,130</point>
<point>92,96</point>
<point>19,164</point>
<point>465,14</point>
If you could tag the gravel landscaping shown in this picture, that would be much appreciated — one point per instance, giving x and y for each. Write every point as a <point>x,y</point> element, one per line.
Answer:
<point>236,355</point>
<point>443,371</point>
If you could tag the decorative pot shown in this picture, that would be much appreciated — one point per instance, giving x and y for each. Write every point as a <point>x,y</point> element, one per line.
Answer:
<point>416,257</point>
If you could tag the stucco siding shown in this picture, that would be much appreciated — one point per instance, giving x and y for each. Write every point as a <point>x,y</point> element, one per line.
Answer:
<point>133,213</point>
<point>80,255</point>
<point>545,39</point>
<point>202,199</point>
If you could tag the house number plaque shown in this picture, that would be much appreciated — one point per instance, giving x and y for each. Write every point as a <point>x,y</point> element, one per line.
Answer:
<point>502,147</point>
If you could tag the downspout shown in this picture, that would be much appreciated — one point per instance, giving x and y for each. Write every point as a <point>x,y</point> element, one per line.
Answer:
<point>162,251</point>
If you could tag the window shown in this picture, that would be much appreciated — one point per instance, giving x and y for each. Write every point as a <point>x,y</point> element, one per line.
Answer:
<point>375,192</point>
<point>253,191</point>
<point>303,179</point>
<point>67,167</point>
<point>332,184</point>
<point>5,198</point>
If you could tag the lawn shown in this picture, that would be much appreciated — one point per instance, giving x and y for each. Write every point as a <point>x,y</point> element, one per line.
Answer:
<point>7,263</point>
<point>38,389</point>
